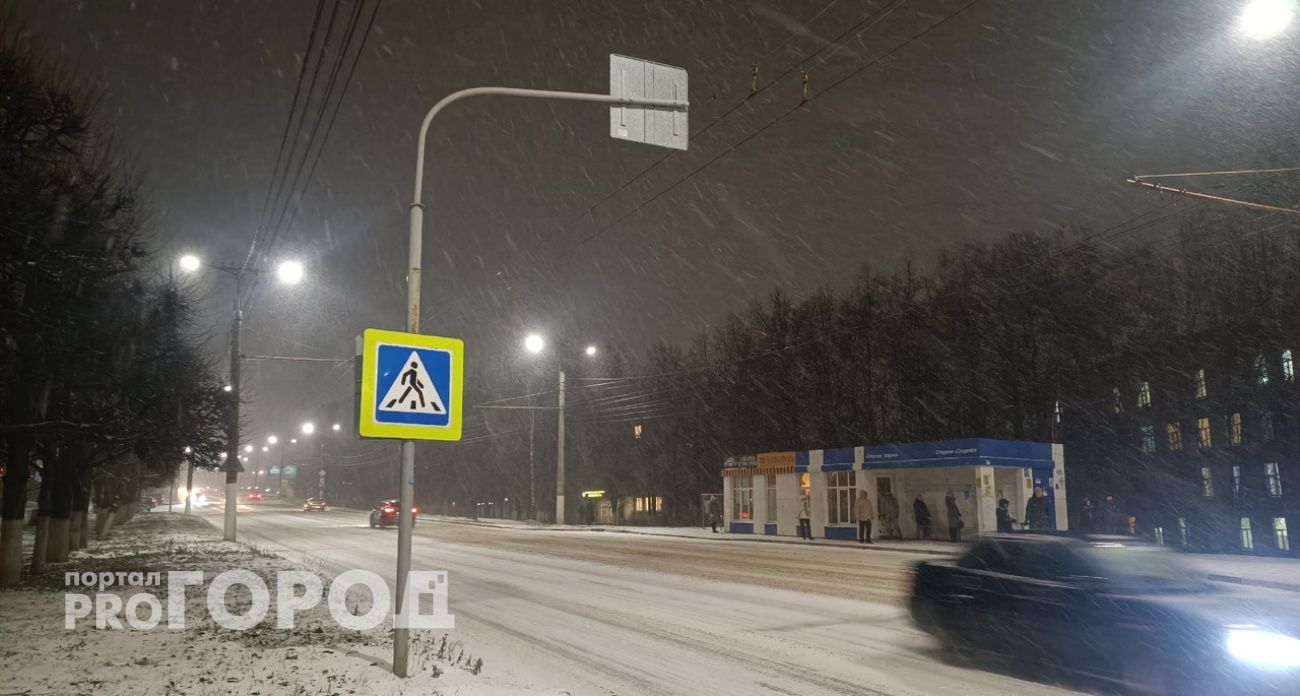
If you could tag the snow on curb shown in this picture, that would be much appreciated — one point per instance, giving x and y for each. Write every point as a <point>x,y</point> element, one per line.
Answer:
<point>315,657</point>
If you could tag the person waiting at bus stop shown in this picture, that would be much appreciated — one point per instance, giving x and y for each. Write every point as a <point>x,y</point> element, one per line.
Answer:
<point>863,509</point>
<point>805,518</point>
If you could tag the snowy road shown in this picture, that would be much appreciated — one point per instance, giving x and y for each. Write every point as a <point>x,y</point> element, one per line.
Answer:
<point>592,613</point>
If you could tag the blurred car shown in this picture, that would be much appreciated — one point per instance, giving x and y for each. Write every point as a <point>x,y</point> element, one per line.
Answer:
<point>255,495</point>
<point>385,514</point>
<point>1110,609</point>
<point>314,504</point>
<point>148,503</point>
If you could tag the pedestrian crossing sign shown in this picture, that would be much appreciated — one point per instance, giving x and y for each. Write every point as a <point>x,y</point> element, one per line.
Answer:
<point>411,386</point>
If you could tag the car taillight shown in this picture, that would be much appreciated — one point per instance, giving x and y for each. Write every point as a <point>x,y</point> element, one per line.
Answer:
<point>415,510</point>
<point>390,509</point>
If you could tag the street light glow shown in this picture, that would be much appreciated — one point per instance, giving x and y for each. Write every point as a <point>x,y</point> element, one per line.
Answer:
<point>336,427</point>
<point>1264,19</point>
<point>188,449</point>
<point>272,439</point>
<point>534,343</point>
<point>591,350</point>
<point>190,263</point>
<point>293,440</point>
<point>227,388</point>
<point>308,428</point>
<point>248,448</point>
<point>265,448</point>
<point>289,272</point>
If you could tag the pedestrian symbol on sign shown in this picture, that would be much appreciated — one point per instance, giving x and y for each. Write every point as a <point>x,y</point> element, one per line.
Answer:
<point>412,392</point>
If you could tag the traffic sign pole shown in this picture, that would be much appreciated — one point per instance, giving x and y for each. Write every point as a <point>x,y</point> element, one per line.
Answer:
<point>654,78</point>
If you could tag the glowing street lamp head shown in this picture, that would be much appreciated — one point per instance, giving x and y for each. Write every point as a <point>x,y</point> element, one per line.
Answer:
<point>1265,19</point>
<point>591,350</point>
<point>272,439</point>
<point>188,449</point>
<point>190,263</point>
<point>534,343</point>
<point>336,427</point>
<point>265,448</point>
<point>227,388</point>
<point>308,428</point>
<point>289,272</point>
<point>248,448</point>
<point>293,440</point>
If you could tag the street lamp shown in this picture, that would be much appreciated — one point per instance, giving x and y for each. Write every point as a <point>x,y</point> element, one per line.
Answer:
<point>271,439</point>
<point>336,427</point>
<point>248,448</point>
<point>308,428</point>
<point>1265,19</point>
<point>535,344</point>
<point>289,273</point>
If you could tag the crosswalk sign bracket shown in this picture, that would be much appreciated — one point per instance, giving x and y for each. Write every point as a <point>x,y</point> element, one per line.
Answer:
<point>411,386</point>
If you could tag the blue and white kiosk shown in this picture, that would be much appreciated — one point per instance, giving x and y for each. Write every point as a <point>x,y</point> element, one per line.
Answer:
<point>761,492</point>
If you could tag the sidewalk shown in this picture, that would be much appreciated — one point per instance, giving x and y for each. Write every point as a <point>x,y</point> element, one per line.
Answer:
<point>316,656</point>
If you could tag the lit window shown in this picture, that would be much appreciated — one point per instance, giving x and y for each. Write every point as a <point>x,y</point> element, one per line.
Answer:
<point>1280,536</point>
<point>1236,481</point>
<point>1200,383</point>
<point>1273,479</point>
<point>742,497</point>
<point>636,431</point>
<point>1144,394</point>
<point>1116,400</point>
<point>1159,534</point>
<point>1148,438</point>
<point>1056,411</point>
<point>839,497</point>
<point>1203,437</point>
<point>1247,538</point>
<point>1261,369</point>
<point>1174,433</point>
<point>1182,531</point>
<point>1207,482</point>
<point>659,503</point>
<point>1288,366</point>
<point>1234,429</point>
<point>771,497</point>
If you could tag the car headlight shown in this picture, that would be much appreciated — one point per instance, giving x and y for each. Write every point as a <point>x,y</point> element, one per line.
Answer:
<point>1263,648</point>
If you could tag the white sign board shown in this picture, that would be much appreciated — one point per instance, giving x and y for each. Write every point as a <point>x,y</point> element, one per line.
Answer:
<point>633,78</point>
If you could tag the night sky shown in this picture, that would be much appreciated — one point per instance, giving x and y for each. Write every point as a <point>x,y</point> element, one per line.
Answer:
<point>1011,116</point>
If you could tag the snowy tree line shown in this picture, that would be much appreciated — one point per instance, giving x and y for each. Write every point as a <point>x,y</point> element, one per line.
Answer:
<point>989,341</point>
<point>102,386</point>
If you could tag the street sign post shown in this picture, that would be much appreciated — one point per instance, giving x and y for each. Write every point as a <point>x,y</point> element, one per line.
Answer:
<point>411,386</point>
<point>425,418</point>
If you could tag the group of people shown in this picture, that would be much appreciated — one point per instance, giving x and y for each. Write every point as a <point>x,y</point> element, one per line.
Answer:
<point>865,512</point>
<point>1036,514</point>
<point>1106,517</point>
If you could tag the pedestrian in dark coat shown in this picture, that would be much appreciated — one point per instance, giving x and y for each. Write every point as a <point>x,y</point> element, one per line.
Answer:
<point>1006,522</point>
<point>954,517</point>
<point>1112,520</point>
<point>1036,510</point>
<point>921,512</point>
<point>1088,515</point>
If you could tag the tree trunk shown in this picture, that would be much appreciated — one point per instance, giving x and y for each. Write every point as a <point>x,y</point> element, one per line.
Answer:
<point>60,518</point>
<point>83,533</point>
<point>42,528</point>
<point>13,508</point>
<point>80,505</point>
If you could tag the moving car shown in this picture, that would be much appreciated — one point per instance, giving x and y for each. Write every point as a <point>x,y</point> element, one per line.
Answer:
<point>384,514</point>
<point>314,504</point>
<point>148,503</point>
<point>1111,609</point>
<point>255,495</point>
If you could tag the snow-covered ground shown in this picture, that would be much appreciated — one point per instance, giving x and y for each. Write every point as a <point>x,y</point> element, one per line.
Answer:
<point>315,657</point>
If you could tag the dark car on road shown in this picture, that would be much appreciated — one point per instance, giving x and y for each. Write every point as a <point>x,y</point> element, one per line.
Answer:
<point>385,513</point>
<point>314,504</point>
<point>1109,609</point>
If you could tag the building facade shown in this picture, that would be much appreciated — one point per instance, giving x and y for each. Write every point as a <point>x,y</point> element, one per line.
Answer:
<point>762,494</point>
<point>1200,444</point>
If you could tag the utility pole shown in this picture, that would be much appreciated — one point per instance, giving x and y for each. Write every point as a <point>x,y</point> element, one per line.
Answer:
<point>559,459</point>
<point>189,483</point>
<point>232,427</point>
